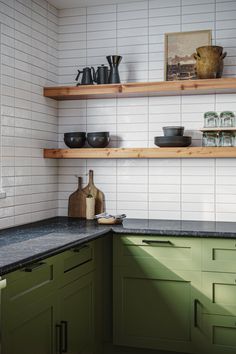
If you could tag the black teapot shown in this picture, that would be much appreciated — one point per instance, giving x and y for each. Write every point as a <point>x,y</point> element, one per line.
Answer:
<point>88,76</point>
<point>101,75</point>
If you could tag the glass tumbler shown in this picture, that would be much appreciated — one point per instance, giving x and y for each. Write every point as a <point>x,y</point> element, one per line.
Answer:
<point>227,119</point>
<point>226,139</point>
<point>211,119</point>
<point>210,139</point>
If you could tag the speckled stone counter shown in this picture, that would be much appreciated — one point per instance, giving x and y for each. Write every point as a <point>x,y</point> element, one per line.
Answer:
<point>33,242</point>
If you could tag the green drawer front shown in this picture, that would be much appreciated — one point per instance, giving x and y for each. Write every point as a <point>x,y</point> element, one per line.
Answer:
<point>220,334</point>
<point>77,261</point>
<point>219,255</point>
<point>219,293</point>
<point>171,252</point>
<point>25,284</point>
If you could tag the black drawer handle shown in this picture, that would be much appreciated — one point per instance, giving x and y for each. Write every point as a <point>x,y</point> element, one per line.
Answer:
<point>59,339</point>
<point>196,303</point>
<point>148,242</point>
<point>31,267</point>
<point>64,325</point>
<point>78,249</point>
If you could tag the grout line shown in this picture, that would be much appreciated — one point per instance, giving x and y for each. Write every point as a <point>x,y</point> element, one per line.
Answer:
<point>215,110</point>
<point>116,113</point>
<point>86,101</point>
<point>148,112</point>
<point>181,122</point>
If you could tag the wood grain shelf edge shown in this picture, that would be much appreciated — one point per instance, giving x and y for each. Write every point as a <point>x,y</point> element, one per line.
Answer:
<point>141,153</point>
<point>136,89</point>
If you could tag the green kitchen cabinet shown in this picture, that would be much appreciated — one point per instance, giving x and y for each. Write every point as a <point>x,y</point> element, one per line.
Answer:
<point>162,251</point>
<point>219,334</point>
<point>32,329</point>
<point>51,306</point>
<point>219,293</point>
<point>28,309</point>
<point>76,304</point>
<point>219,255</point>
<point>78,261</point>
<point>155,299</point>
<point>80,298</point>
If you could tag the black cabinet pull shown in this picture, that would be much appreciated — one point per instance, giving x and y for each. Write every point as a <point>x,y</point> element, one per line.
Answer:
<point>31,267</point>
<point>164,242</point>
<point>59,339</point>
<point>64,325</point>
<point>78,249</point>
<point>196,303</point>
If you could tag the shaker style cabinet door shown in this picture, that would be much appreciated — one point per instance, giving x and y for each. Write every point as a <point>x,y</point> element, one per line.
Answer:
<point>76,303</point>
<point>219,293</point>
<point>156,292</point>
<point>220,334</point>
<point>219,255</point>
<point>32,329</point>
<point>155,310</point>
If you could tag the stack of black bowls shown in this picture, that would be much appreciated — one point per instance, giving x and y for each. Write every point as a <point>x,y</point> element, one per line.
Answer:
<point>75,140</point>
<point>173,137</point>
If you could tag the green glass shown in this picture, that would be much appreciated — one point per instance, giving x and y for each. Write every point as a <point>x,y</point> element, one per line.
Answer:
<point>211,119</point>
<point>227,119</point>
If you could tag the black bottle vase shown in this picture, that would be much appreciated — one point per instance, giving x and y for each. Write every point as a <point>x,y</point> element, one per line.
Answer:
<point>114,61</point>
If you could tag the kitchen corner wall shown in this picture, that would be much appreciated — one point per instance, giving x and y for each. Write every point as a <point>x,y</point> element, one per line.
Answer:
<point>28,120</point>
<point>36,38</point>
<point>200,189</point>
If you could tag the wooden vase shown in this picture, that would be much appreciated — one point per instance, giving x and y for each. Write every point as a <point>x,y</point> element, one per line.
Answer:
<point>209,62</point>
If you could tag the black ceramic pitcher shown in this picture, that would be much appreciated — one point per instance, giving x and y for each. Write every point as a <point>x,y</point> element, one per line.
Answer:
<point>114,61</point>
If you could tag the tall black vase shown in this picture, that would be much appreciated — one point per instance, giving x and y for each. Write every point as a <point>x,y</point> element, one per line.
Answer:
<point>114,61</point>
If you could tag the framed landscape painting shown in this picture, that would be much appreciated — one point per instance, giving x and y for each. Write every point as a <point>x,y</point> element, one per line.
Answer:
<point>179,50</point>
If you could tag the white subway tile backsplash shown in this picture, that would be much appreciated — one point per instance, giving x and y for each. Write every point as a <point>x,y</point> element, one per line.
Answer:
<point>130,15</point>
<point>79,37</point>
<point>101,17</point>
<point>199,8</point>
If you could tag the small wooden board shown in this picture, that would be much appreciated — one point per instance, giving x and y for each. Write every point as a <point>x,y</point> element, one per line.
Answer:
<point>96,193</point>
<point>77,202</point>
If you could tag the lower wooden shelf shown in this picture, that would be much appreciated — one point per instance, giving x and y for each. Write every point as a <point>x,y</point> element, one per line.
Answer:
<point>141,153</point>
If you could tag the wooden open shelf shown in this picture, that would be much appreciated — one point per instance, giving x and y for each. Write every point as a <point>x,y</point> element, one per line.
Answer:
<point>136,89</point>
<point>141,153</point>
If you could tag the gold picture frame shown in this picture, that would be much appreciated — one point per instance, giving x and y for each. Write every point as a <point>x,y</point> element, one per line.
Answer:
<point>179,50</point>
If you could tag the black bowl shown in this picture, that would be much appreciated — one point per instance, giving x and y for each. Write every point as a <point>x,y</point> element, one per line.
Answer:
<point>173,131</point>
<point>172,141</point>
<point>75,139</point>
<point>98,139</point>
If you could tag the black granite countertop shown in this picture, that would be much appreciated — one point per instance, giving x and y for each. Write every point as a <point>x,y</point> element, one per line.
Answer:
<point>32,242</point>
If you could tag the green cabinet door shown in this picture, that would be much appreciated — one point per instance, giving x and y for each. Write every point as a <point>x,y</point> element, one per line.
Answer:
<point>219,334</point>
<point>219,255</point>
<point>76,303</point>
<point>219,293</point>
<point>31,329</point>
<point>155,309</point>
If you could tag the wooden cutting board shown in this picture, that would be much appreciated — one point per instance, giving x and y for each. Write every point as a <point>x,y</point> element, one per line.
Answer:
<point>77,202</point>
<point>96,193</point>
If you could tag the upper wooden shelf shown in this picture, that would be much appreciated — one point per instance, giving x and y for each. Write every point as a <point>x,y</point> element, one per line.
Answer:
<point>141,153</point>
<point>136,89</point>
